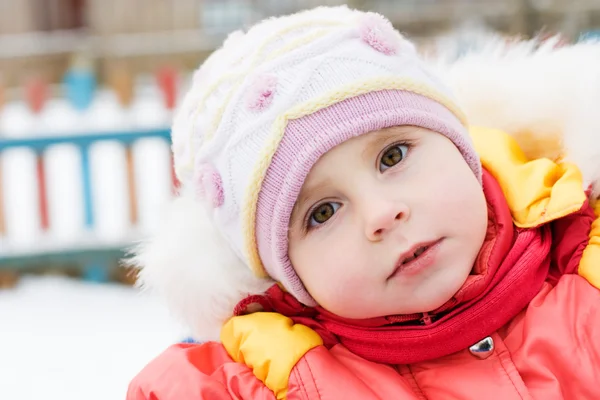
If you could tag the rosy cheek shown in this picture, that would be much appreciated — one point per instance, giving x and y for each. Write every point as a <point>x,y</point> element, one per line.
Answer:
<point>344,293</point>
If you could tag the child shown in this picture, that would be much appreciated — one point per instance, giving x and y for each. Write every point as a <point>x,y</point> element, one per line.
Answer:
<point>340,234</point>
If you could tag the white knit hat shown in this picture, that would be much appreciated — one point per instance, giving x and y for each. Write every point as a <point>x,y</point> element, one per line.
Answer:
<point>270,102</point>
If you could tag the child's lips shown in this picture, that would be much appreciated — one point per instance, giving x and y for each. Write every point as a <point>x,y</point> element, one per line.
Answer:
<point>417,258</point>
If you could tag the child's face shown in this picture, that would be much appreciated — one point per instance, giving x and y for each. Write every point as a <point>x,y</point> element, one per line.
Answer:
<point>371,202</point>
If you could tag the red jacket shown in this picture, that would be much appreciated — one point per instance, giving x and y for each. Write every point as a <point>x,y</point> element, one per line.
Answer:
<point>548,348</point>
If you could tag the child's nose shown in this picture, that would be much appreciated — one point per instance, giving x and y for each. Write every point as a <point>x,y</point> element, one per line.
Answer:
<point>384,218</point>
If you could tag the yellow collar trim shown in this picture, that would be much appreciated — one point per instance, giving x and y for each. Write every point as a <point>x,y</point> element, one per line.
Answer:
<point>537,191</point>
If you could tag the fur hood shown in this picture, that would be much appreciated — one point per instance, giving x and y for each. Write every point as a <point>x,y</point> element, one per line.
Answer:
<point>545,96</point>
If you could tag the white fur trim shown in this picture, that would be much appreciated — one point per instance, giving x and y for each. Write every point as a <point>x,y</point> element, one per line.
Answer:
<point>194,269</point>
<point>536,88</point>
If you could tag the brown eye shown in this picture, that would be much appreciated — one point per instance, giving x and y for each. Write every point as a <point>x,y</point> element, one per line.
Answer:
<point>392,156</point>
<point>322,213</point>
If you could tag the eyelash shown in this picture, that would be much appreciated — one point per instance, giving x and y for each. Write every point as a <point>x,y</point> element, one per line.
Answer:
<point>306,223</point>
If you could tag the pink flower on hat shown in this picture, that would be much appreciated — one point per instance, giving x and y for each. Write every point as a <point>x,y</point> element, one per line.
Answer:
<point>209,185</point>
<point>261,92</point>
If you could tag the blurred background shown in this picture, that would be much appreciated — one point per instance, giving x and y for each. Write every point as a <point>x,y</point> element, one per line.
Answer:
<point>87,93</point>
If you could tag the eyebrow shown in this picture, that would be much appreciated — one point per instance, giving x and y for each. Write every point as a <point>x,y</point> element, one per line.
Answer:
<point>310,190</point>
<point>383,137</point>
<point>376,144</point>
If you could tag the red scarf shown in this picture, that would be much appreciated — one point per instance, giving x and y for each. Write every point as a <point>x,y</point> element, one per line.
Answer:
<point>510,270</point>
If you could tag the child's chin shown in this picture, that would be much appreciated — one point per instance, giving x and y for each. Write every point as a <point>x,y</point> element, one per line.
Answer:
<point>440,298</point>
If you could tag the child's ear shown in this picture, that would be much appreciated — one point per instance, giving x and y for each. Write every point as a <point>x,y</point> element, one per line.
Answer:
<point>192,267</point>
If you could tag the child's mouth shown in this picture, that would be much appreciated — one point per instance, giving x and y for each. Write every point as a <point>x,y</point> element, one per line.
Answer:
<point>416,254</point>
<point>418,258</point>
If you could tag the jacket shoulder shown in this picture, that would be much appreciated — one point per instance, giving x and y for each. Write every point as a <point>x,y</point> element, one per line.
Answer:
<point>292,361</point>
<point>589,266</point>
<point>196,371</point>
<point>270,344</point>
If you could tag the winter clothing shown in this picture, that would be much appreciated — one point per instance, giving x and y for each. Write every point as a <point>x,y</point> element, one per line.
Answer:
<point>270,102</point>
<point>542,245</point>
<point>264,108</point>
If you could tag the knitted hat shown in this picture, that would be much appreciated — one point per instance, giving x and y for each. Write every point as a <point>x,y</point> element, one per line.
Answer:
<point>270,102</point>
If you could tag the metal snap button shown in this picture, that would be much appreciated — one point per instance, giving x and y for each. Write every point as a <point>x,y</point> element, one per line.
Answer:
<point>483,349</point>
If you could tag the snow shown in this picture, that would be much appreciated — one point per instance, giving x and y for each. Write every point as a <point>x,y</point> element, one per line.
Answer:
<point>65,339</point>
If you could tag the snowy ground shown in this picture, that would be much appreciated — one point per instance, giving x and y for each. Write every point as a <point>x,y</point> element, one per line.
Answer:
<point>69,340</point>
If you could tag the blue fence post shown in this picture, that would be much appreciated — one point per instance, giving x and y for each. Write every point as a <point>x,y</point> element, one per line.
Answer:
<point>87,186</point>
<point>96,271</point>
